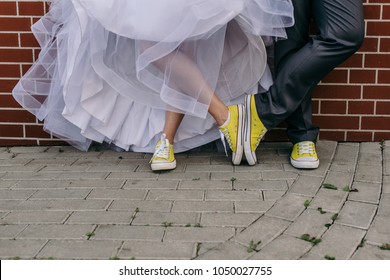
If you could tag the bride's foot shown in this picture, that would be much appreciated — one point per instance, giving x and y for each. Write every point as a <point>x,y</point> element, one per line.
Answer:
<point>163,157</point>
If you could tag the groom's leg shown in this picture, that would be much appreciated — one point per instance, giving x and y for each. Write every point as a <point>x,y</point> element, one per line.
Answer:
<point>341,27</point>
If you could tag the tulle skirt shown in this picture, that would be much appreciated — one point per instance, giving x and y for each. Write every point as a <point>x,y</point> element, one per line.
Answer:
<point>109,70</point>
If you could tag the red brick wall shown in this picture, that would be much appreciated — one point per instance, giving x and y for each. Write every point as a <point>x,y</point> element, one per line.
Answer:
<point>351,104</point>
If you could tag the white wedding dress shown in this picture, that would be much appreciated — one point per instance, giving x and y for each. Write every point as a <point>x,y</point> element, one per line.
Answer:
<point>97,76</point>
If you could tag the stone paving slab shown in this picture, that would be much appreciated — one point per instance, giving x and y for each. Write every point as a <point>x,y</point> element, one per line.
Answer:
<point>369,252</point>
<point>20,249</point>
<point>36,217</point>
<point>225,251</point>
<point>339,242</point>
<point>57,202</point>
<point>80,249</point>
<point>379,232</point>
<point>55,232</point>
<point>357,214</point>
<point>283,248</point>
<point>157,250</point>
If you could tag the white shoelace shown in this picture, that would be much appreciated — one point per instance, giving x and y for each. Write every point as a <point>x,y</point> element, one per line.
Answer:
<point>163,150</point>
<point>223,137</point>
<point>306,148</point>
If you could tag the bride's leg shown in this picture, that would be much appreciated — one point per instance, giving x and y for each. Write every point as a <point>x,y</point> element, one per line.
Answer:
<point>189,79</point>
<point>172,123</point>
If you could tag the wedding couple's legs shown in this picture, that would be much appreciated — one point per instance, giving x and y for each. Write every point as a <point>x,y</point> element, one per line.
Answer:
<point>189,79</point>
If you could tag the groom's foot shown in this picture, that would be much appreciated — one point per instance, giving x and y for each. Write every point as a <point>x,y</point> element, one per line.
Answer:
<point>254,130</point>
<point>304,155</point>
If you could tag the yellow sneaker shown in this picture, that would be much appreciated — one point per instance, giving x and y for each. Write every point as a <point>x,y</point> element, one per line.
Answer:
<point>163,157</point>
<point>232,131</point>
<point>304,155</point>
<point>254,129</point>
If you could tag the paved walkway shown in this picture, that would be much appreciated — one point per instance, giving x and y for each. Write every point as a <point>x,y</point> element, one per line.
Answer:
<point>56,202</point>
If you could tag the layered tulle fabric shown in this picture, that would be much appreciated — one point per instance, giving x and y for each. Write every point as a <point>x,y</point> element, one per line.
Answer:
<point>109,70</point>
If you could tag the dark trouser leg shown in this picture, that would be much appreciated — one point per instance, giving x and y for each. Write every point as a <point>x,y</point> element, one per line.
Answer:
<point>341,27</point>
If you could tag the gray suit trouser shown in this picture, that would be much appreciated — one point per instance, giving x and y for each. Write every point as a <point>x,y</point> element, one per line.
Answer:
<point>302,61</point>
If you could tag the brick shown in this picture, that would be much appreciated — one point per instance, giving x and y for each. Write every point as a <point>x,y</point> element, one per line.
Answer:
<point>383,108</point>
<point>16,141</point>
<point>11,131</point>
<point>378,60</point>
<point>369,45</point>
<point>377,123</point>
<point>383,76</point>
<point>356,60</point>
<point>336,76</point>
<point>36,131</point>
<point>379,135</point>
<point>337,122</point>
<point>8,8</point>
<point>359,136</point>
<point>376,92</point>
<point>386,12</point>
<point>332,135</point>
<point>361,107</point>
<point>6,86</point>
<point>31,8</point>
<point>16,116</point>
<point>378,28</point>
<point>15,55</point>
<point>372,11</point>
<point>333,107</point>
<point>149,184</point>
<point>362,76</point>
<point>9,71</point>
<point>337,92</point>
<point>28,40</point>
<point>385,44</point>
<point>9,40</point>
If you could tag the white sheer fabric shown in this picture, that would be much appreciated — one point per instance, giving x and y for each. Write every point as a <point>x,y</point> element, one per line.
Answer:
<point>109,69</point>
